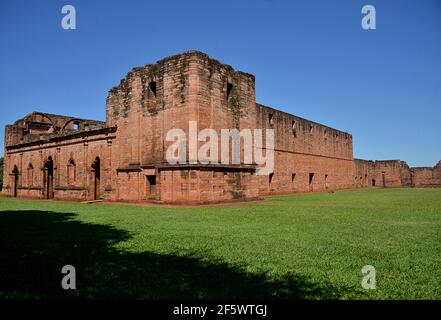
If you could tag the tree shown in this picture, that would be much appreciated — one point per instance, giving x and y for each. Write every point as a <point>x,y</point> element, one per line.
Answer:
<point>1,173</point>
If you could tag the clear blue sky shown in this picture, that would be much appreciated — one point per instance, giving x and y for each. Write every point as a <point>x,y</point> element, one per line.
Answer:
<point>310,58</point>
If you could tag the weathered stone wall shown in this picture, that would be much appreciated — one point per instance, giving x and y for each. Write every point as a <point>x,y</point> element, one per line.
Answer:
<point>396,173</point>
<point>154,99</point>
<point>205,185</point>
<point>308,156</point>
<point>437,172</point>
<point>194,87</point>
<point>426,177</point>
<point>131,145</point>
<point>38,126</point>
<point>72,157</point>
<point>365,173</point>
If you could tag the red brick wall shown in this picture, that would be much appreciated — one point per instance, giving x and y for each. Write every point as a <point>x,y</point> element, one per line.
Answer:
<point>426,177</point>
<point>302,148</point>
<point>154,99</point>
<point>383,173</point>
<point>365,173</point>
<point>203,186</point>
<point>83,150</point>
<point>189,87</point>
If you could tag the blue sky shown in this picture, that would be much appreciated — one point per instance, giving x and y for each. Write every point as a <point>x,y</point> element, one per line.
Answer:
<point>311,58</point>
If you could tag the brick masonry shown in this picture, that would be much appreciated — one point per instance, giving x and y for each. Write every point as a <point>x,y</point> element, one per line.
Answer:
<point>123,159</point>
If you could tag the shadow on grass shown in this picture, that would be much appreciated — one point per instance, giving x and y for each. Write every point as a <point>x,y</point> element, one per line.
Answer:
<point>35,245</point>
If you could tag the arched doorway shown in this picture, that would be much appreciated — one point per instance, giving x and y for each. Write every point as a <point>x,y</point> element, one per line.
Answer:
<point>15,174</point>
<point>96,176</point>
<point>48,178</point>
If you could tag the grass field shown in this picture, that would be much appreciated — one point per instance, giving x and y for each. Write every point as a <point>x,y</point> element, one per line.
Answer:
<point>305,246</point>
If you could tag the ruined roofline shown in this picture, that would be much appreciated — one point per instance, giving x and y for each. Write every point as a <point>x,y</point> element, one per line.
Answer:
<point>382,161</point>
<point>50,115</point>
<point>38,126</point>
<point>303,119</point>
<point>400,161</point>
<point>358,159</point>
<point>422,168</point>
<point>51,138</point>
<point>178,56</point>
<point>204,56</point>
<point>390,160</point>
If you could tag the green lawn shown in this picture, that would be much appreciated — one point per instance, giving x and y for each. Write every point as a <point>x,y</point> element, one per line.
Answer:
<point>305,246</point>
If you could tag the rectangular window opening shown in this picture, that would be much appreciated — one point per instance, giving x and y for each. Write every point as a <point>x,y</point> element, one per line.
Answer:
<point>151,184</point>
<point>152,86</point>
<point>229,89</point>
<point>311,177</point>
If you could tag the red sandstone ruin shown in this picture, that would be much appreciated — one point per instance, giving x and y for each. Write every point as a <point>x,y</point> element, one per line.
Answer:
<point>51,156</point>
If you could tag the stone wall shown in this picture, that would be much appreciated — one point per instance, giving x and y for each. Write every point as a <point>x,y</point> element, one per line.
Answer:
<point>396,173</point>
<point>152,100</point>
<point>426,176</point>
<point>308,156</point>
<point>365,174</point>
<point>71,157</point>
<point>124,159</point>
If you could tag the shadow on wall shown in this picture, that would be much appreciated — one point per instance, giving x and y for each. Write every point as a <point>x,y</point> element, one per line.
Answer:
<point>36,244</point>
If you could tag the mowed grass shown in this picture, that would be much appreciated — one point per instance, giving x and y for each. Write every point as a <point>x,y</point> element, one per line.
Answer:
<point>304,246</point>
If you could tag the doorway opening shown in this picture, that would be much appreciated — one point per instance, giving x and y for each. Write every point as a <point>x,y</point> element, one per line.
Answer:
<point>311,179</point>
<point>96,177</point>
<point>15,174</point>
<point>49,178</point>
<point>151,186</point>
<point>270,179</point>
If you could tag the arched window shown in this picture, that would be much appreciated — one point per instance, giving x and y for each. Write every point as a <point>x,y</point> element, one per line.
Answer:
<point>30,174</point>
<point>71,172</point>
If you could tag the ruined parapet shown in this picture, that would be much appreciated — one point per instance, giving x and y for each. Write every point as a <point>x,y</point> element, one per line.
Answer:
<point>296,134</point>
<point>38,126</point>
<point>190,79</point>
<point>426,176</point>
<point>364,173</point>
<point>396,173</point>
<point>391,173</point>
<point>405,174</point>
<point>437,173</point>
<point>155,98</point>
